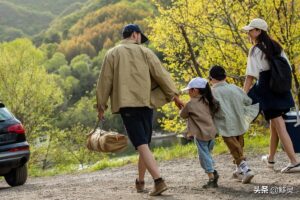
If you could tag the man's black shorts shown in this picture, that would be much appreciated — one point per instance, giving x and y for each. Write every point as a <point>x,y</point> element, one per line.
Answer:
<point>138,124</point>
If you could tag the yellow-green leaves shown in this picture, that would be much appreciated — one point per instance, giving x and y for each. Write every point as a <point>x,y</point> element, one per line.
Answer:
<point>213,31</point>
<point>25,87</point>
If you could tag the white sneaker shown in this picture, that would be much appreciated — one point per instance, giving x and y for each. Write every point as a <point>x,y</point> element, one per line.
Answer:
<point>237,176</point>
<point>247,177</point>
<point>291,168</point>
<point>269,164</point>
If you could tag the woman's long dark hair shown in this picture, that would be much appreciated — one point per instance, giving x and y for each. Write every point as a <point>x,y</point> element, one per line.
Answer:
<point>269,46</point>
<point>207,97</point>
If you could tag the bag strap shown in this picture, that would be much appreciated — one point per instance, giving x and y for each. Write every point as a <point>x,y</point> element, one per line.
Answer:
<point>99,124</point>
<point>260,46</point>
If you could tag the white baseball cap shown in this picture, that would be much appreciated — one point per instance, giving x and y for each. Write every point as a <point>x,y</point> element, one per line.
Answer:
<point>256,23</point>
<point>196,83</point>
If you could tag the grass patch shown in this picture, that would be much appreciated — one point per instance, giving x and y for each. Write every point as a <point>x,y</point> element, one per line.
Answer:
<point>220,147</point>
<point>176,151</point>
<point>35,171</point>
<point>115,162</point>
<point>257,143</point>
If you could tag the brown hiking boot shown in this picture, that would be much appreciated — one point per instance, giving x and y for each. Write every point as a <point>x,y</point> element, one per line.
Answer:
<point>140,186</point>
<point>159,187</point>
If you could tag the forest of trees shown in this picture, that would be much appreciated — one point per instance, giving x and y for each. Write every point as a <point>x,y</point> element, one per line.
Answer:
<point>194,35</point>
<point>24,18</point>
<point>49,67</point>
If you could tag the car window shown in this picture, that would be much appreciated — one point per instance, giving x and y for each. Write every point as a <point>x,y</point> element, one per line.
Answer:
<point>5,114</point>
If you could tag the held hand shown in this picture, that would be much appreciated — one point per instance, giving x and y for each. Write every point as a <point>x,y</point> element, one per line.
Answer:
<point>100,114</point>
<point>248,83</point>
<point>178,102</point>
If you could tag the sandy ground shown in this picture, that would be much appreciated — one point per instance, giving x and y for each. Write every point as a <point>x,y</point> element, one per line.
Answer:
<point>183,176</point>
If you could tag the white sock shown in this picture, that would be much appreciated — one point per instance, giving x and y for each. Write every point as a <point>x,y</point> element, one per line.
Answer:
<point>244,167</point>
<point>238,169</point>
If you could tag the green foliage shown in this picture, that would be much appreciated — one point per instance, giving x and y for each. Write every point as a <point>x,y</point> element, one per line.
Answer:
<point>177,151</point>
<point>113,122</point>
<point>110,163</point>
<point>194,35</point>
<point>36,171</point>
<point>49,49</point>
<point>53,38</point>
<point>62,147</point>
<point>256,141</point>
<point>82,69</point>
<point>77,47</point>
<point>9,33</point>
<point>73,145</point>
<point>69,84</point>
<point>83,112</point>
<point>58,60</point>
<point>25,87</point>
<point>220,146</point>
<point>27,18</point>
<point>22,20</point>
<point>53,6</point>
<point>90,34</point>
<point>52,89</point>
<point>64,23</point>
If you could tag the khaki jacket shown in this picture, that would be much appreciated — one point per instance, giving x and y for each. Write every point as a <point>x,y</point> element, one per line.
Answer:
<point>132,76</point>
<point>200,122</point>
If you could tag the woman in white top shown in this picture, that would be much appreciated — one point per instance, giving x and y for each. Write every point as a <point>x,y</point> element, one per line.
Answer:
<point>274,106</point>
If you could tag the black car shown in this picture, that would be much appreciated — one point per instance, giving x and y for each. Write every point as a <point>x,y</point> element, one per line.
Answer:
<point>14,149</point>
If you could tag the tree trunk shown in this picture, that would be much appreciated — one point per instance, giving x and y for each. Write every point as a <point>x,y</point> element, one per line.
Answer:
<point>47,153</point>
<point>191,51</point>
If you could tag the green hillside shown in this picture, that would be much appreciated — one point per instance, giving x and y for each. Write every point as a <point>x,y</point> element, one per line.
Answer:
<point>25,18</point>
<point>69,18</point>
<point>96,26</point>
<point>53,6</point>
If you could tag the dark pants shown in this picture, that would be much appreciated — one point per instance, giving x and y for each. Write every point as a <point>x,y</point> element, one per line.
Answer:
<point>138,124</point>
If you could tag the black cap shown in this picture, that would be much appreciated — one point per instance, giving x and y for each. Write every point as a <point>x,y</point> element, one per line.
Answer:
<point>217,72</point>
<point>130,28</point>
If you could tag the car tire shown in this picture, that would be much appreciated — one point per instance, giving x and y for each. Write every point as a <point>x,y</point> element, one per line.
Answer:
<point>17,176</point>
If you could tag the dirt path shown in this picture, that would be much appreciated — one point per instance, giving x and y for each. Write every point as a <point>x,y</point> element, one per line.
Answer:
<point>183,176</point>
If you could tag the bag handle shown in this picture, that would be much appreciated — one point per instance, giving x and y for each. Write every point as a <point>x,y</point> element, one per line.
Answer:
<point>99,124</point>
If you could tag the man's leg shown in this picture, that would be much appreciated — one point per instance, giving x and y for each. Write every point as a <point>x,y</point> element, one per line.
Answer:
<point>147,160</point>
<point>138,124</point>
<point>147,156</point>
<point>141,169</point>
<point>152,167</point>
<point>133,122</point>
<point>140,182</point>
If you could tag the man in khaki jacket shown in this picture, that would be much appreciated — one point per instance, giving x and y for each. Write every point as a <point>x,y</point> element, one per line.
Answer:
<point>136,82</point>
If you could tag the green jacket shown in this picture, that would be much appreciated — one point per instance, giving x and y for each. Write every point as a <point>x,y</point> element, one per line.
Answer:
<point>236,112</point>
<point>132,76</point>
